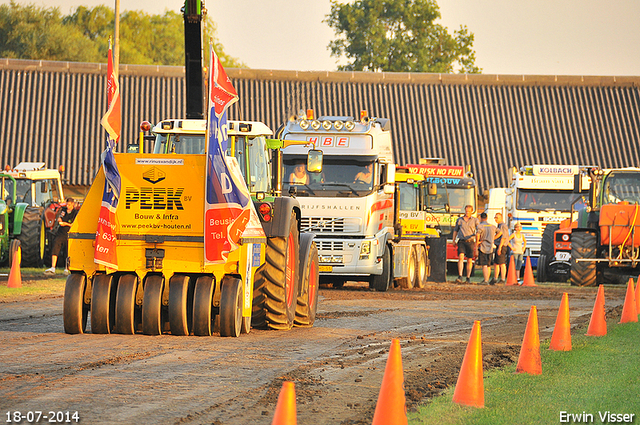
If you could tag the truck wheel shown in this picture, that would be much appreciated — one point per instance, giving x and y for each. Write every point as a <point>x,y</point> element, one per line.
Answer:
<point>230,307</point>
<point>307,303</point>
<point>203,316</point>
<point>412,269</point>
<point>381,282</point>
<point>103,300</point>
<point>279,282</point>
<point>180,304</point>
<point>583,245</point>
<point>32,237</point>
<point>421,269</point>
<point>128,317</point>
<point>546,249</point>
<point>542,268</point>
<point>74,309</point>
<point>152,305</point>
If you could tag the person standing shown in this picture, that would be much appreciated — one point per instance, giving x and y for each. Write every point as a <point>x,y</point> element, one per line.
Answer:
<point>502,244</point>
<point>518,245</point>
<point>464,232</point>
<point>486,239</point>
<point>67,216</point>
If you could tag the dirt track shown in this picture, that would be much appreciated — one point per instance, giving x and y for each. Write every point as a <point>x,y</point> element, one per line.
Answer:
<point>337,365</point>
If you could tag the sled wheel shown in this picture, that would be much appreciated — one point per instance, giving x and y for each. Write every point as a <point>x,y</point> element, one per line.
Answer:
<point>180,304</point>
<point>421,268</point>
<point>127,316</point>
<point>152,305</point>
<point>203,306</point>
<point>74,309</point>
<point>230,306</point>
<point>102,304</point>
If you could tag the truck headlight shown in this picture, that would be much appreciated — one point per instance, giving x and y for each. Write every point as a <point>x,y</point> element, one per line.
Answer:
<point>365,250</point>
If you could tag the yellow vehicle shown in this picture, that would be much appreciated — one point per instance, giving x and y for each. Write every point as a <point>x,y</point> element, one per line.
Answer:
<point>162,282</point>
<point>412,232</point>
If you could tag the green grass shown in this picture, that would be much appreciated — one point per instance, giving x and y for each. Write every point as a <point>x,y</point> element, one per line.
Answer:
<point>31,285</point>
<point>600,374</point>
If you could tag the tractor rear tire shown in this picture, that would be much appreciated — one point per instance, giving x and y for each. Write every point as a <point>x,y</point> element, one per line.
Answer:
<point>276,283</point>
<point>307,303</point>
<point>583,245</point>
<point>74,309</point>
<point>32,237</point>
<point>103,304</point>
<point>230,307</point>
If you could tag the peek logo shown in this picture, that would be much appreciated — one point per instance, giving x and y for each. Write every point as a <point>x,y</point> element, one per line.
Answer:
<point>154,175</point>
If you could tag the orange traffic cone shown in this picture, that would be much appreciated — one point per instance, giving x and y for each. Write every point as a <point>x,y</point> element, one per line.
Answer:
<point>15,280</point>
<point>528,274</point>
<point>598,323</point>
<point>529,360</point>
<point>629,312</point>
<point>391,407</point>
<point>470,386</point>
<point>561,338</point>
<point>512,278</point>
<point>638,297</point>
<point>286,407</point>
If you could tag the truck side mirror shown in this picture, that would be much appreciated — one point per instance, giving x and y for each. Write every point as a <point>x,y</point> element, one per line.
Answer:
<point>577,183</point>
<point>432,189</point>
<point>314,161</point>
<point>391,174</point>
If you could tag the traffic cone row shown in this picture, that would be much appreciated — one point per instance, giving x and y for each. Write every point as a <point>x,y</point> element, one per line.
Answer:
<point>469,389</point>
<point>512,273</point>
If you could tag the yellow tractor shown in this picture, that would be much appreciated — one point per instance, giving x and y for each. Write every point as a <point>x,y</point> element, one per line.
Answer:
<point>163,283</point>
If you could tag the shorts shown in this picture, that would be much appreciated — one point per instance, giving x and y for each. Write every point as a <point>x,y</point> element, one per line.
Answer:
<point>484,259</point>
<point>466,248</point>
<point>501,256</point>
<point>61,241</point>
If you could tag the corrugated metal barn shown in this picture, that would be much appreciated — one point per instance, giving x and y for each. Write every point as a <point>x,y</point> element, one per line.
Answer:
<point>51,111</point>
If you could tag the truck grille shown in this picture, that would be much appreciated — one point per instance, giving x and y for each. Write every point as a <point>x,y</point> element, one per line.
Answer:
<point>322,224</point>
<point>329,245</point>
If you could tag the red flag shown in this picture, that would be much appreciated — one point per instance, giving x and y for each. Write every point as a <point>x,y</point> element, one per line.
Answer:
<point>223,94</point>
<point>111,120</point>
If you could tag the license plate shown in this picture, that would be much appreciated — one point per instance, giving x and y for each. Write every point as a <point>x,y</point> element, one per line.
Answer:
<point>563,256</point>
<point>325,268</point>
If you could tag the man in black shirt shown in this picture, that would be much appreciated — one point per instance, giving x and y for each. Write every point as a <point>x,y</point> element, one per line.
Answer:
<point>67,215</point>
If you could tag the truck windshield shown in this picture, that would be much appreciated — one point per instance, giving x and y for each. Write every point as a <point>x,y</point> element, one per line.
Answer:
<point>340,176</point>
<point>545,200</point>
<point>457,197</point>
<point>179,143</point>
<point>621,186</point>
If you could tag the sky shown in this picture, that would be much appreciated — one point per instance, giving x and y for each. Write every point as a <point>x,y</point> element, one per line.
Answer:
<point>521,37</point>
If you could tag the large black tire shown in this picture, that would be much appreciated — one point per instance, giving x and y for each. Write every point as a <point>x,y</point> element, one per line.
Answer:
<point>546,250</point>
<point>74,310</point>
<point>230,306</point>
<point>103,304</point>
<point>152,320</point>
<point>276,282</point>
<point>422,271</point>
<point>203,317</point>
<point>128,316</point>
<point>541,274</point>
<point>32,237</point>
<point>180,304</point>
<point>307,302</point>
<point>382,281</point>
<point>583,245</point>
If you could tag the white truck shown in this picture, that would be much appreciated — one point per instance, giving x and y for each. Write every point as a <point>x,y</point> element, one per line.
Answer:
<point>350,205</point>
<point>537,196</point>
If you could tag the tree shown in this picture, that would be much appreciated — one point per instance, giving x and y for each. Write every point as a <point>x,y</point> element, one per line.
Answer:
<point>398,36</point>
<point>31,32</point>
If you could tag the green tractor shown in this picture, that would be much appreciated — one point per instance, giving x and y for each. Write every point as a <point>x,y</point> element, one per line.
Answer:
<point>31,196</point>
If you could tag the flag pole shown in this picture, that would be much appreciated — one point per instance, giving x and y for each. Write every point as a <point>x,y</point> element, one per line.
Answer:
<point>116,36</point>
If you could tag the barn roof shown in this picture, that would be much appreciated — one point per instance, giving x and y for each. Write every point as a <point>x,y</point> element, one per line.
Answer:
<point>51,111</point>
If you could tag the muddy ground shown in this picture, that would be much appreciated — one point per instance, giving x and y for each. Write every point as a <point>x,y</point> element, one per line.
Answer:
<point>337,365</point>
